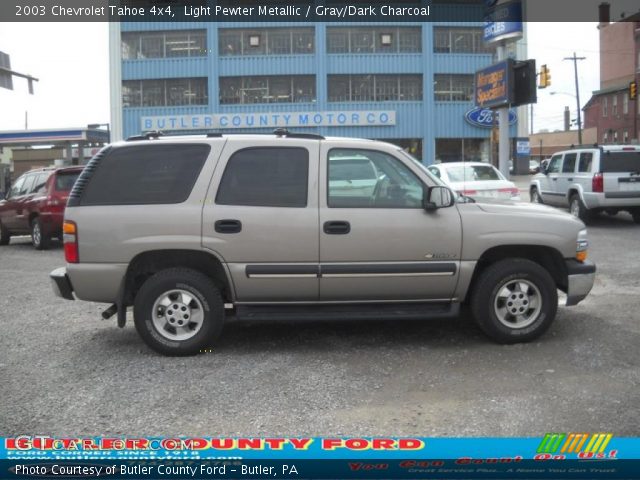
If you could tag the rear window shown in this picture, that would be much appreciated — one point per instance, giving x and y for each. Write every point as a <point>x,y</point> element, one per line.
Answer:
<point>620,162</point>
<point>472,173</point>
<point>266,177</point>
<point>65,181</point>
<point>146,174</point>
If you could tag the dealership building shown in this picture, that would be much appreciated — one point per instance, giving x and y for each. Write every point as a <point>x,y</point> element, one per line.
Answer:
<point>407,83</point>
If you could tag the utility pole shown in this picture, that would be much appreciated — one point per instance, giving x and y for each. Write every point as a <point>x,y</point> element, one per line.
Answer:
<point>575,59</point>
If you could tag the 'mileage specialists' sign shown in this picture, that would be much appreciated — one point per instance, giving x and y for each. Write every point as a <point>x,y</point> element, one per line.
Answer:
<point>375,118</point>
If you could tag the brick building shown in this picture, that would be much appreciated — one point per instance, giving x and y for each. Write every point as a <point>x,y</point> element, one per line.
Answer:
<point>610,110</point>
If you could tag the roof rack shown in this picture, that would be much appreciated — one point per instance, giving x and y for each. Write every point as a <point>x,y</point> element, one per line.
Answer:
<point>283,132</point>
<point>146,136</point>
<point>585,145</point>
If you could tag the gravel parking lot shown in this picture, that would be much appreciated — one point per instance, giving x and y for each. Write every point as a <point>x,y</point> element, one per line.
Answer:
<point>65,371</point>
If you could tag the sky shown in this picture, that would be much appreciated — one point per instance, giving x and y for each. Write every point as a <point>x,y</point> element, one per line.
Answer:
<point>72,63</point>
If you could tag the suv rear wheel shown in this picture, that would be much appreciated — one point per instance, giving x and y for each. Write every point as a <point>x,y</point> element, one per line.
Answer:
<point>41,241</point>
<point>514,300</point>
<point>178,311</point>
<point>578,209</point>
<point>5,236</point>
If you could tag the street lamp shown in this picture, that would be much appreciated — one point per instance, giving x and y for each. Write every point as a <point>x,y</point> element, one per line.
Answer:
<point>98,125</point>
<point>578,117</point>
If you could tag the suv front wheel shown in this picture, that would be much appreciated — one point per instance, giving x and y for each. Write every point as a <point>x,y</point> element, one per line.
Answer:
<point>179,312</point>
<point>514,300</point>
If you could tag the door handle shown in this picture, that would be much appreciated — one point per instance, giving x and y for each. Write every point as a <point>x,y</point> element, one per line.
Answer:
<point>336,227</point>
<point>570,179</point>
<point>228,226</point>
<point>554,179</point>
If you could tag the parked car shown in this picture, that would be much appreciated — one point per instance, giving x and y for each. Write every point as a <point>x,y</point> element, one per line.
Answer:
<point>477,180</point>
<point>179,227</point>
<point>35,205</point>
<point>534,167</point>
<point>591,180</point>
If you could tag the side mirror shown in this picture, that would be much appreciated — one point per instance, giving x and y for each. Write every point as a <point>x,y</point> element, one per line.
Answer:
<point>438,197</point>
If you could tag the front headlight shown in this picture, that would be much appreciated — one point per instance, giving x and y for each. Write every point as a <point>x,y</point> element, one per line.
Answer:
<point>582,245</point>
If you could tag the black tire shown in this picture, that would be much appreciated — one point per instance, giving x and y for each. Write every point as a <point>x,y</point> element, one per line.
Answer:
<point>578,209</point>
<point>534,196</point>
<point>495,280</point>
<point>5,236</point>
<point>40,240</point>
<point>206,299</point>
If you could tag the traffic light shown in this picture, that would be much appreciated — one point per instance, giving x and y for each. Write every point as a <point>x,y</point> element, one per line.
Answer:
<point>633,90</point>
<point>545,77</point>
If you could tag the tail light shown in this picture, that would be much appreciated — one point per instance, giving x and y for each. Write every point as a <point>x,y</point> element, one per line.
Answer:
<point>70,238</point>
<point>513,191</point>
<point>52,201</point>
<point>597,183</point>
<point>468,192</point>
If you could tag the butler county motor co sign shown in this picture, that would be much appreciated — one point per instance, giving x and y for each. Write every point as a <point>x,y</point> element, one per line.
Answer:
<point>270,119</point>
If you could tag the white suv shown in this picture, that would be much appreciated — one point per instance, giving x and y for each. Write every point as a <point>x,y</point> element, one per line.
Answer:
<point>591,180</point>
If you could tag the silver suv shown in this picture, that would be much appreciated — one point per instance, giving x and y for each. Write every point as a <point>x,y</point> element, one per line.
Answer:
<point>591,180</point>
<point>195,231</point>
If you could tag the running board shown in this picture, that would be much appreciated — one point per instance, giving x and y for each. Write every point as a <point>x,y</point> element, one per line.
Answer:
<point>362,311</point>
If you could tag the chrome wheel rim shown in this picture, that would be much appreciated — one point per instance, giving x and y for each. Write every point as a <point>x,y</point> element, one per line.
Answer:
<point>36,234</point>
<point>575,208</point>
<point>518,303</point>
<point>177,315</point>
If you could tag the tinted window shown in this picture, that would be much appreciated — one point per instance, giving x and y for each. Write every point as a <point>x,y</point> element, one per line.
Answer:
<point>569,164</point>
<point>17,187</point>
<point>393,186</point>
<point>620,162</point>
<point>65,181</point>
<point>586,158</point>
<point>146,174</point>
<point>266,177</point>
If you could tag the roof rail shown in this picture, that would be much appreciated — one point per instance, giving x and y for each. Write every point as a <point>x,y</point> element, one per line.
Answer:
<point>146,136</point>
<point>283,132</point>
<point>585,145</point>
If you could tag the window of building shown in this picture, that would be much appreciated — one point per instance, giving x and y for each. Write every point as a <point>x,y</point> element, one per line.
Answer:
<point>614,105</point>
<point>370,179</point>
<point>166,92</point>
<point>266,41</point>
<point>453,87</point>
<point>462,149</point>
<point>379,39</point>
<point>605,106</point>
<point>169,44</point>
<point>625,103</point>
<point>267,89</point>
<point>605,137</point>
<point>625,136</point>
<point>266,177</point>
<point>569,164</point>
<point>459,40</point>
<point>374,88</point>
<point>615,137</point>
<point>150,174</point>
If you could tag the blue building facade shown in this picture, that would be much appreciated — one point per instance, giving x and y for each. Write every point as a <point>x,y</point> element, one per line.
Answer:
<point>407,83</point>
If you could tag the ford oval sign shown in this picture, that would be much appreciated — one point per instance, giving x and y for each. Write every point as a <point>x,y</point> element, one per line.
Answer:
<point>483,117</point>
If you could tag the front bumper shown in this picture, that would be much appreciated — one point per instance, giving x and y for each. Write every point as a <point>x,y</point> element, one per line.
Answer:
<point>61,284</point>
<point>580,280</point>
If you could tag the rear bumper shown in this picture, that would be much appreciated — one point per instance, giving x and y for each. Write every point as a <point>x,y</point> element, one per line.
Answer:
<point>581,276</point>
<point>612,199</point>
<point>61,284</point>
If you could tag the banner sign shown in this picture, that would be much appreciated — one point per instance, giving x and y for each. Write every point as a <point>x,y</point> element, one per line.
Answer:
<point>366,118</point>
<point>523,148</point>
<point>503,22</point>
<point>494,85</point>
<point>556,455</point>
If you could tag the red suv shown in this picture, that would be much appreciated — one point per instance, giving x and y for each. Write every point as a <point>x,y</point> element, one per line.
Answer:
<point>35,205</point>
